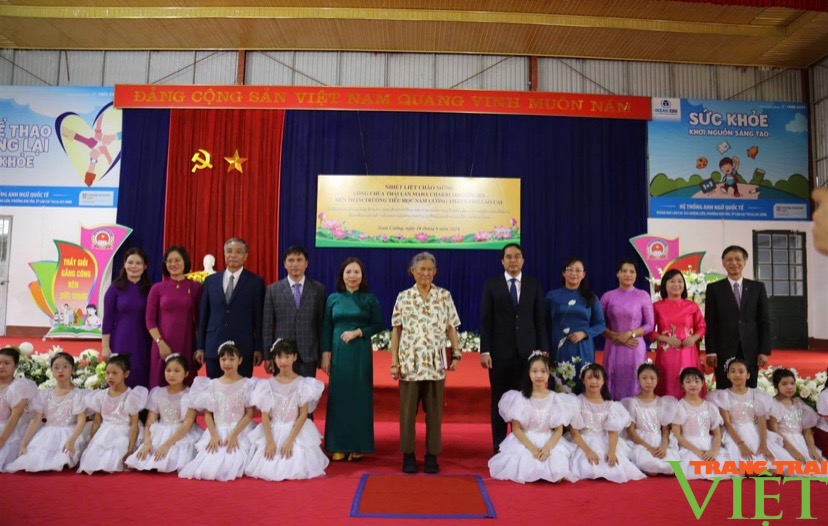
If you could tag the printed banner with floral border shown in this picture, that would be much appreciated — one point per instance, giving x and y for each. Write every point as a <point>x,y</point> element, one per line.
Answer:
<point>408,211</point>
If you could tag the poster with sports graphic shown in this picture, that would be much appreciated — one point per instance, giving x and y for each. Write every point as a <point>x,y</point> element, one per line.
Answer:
<point>59,147</point>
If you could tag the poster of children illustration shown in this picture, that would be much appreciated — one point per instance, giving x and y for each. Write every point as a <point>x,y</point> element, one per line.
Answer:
<point>70,289</point>
<point>712,159</point>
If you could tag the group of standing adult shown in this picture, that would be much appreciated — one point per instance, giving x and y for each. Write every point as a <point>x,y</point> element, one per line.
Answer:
<point>334,332</point>
<point>150,322</point>
<point>517,319</point>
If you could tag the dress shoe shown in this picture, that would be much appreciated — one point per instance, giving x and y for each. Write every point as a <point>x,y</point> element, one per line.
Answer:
<point>431,466</point>
<point>409,463</point>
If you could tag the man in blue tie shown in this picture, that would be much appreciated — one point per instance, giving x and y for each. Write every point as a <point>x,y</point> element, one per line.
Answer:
<point>294,308</point>
<point>231,310</point>
<point>513,324</point>
<point>738,320</point>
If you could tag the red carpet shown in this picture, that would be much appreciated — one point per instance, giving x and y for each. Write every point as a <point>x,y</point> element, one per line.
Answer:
<point>438,497</point>
<point>143,498</point>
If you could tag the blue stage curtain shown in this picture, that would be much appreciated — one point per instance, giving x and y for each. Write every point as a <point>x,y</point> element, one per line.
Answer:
<point>143,187</point>
<point>583,191</point>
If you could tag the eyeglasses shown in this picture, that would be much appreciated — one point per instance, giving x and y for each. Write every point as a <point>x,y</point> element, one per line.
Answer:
<point>574,270</point>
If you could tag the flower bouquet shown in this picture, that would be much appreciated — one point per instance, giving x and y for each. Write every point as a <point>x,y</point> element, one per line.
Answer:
<point>381,341</point>
<point>90,371</point>
<point>564,375</point>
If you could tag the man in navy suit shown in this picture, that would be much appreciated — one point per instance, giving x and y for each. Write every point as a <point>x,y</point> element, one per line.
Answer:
<point>513,324</point>
<point>231,310</point>
<point>738,320</point>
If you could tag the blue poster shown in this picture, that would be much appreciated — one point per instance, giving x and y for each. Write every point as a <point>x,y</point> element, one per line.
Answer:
<point>59,147</point>
<point>714,159</point>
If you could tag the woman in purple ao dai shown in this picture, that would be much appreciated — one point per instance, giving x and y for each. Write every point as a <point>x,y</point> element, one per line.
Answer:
<point>629,315</point>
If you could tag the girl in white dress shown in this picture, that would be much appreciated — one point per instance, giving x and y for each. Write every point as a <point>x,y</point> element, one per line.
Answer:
<point>60,442</point>
<point>793,419</point>
<point>169,434</point>
<point>287,446</point>
<point>115,428</point>
<point>595,430</point>
<point>744,412</point>
<point>821,431</point>
<point>15,394</point>
<point>697,426</point>
<point>649,433</point>
<point>536,449</point>
<point>222,450</point>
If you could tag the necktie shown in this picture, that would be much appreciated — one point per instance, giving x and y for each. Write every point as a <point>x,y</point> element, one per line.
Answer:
<point>297,293</point>
<point>737,293</point>
<point>513,291</point>
<point>228,292</point>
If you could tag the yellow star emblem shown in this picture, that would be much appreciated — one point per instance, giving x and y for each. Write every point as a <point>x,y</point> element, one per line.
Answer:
<point>235,162</point>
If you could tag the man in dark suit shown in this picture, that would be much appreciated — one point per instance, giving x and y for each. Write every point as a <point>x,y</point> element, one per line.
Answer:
<point>738,320</point>
<point>231,310</point>
<point>293,309</point>
<point>512,325</point>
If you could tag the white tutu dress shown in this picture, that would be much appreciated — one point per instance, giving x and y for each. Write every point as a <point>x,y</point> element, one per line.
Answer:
<point>822,410</point>
<point>171,410</point>
<point>45,449</point>
<point>282,403</point>
<point>107,449</point>
<point>744,410</point>
<point>696,424</point>
<point>791,422</point>
<point>227,403</point>
<point>538,418</point>
<point>649,417</point>
<point>18,390</point>
<point>595,421</point>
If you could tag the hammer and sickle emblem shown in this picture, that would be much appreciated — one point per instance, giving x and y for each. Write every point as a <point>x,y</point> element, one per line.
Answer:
<point>201,160</point>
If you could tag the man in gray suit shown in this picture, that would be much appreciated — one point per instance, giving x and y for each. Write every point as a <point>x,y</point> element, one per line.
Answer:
<point>293,309</point>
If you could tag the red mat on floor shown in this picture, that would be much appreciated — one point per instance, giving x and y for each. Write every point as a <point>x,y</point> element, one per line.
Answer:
<point>148,498</point>
<point>438,497</point>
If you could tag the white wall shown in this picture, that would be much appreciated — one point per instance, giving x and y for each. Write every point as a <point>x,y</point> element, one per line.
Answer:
<point>33,232</point>
<point>713,236</point>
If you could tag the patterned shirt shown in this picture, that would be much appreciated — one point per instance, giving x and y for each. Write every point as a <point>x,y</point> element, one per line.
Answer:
<point>424,324</point>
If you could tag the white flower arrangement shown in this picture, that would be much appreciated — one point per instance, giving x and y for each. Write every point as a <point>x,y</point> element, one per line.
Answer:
<point>26,348</point>
<point>381,341</point>
<point>696,285</point>
<point>467,340</point>
<point>89,370</point>
<point>807,388</point>
<point>564,374</point>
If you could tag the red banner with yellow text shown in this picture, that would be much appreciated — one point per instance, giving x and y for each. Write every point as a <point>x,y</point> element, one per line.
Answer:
<point>383,99</point>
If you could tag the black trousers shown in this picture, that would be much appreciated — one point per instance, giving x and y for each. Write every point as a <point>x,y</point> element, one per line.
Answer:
<point>503,376</point>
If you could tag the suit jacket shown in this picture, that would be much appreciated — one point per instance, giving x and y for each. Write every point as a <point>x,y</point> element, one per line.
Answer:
<point>240,320</point>
<point>303,325</point>
<point>729,324</point>
<point>506,330</point>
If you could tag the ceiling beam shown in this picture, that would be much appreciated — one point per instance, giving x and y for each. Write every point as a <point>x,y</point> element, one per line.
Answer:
<point>407,15</point>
